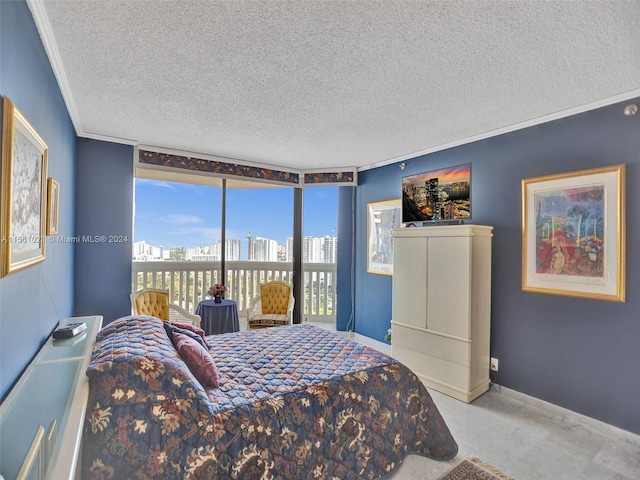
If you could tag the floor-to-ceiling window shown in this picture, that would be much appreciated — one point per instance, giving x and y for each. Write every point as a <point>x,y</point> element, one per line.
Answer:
<point>182,244</point>
<point>259,232</point>
<point>177,238</point>
<point>176,221</point>
<point>319,252</point>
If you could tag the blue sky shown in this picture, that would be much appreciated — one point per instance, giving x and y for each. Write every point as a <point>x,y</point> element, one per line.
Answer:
<point>177,214</point>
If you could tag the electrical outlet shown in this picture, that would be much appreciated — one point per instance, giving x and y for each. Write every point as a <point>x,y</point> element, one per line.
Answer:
<point>494,364</point>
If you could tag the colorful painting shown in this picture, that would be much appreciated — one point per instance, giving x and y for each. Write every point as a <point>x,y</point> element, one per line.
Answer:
<point>573,234</point>
<point>570,231</point>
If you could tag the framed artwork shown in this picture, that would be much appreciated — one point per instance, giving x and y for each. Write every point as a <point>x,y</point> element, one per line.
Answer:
<point>573,234</point>
<point>53,196</point>
<point>24,193</point>
<point>381,219</point>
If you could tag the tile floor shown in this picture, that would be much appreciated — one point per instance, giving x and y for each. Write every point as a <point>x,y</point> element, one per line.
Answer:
<point>525,438</point>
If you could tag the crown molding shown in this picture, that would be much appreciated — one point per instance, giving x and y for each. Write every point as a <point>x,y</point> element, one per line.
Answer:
<point>41,19</point>
<point>605,102</point>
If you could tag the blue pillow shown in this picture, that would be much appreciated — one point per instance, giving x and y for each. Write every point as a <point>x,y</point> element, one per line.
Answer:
<point>170,328</point>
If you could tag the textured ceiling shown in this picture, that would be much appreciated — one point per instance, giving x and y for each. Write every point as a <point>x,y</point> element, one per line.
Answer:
<point>323,84</point>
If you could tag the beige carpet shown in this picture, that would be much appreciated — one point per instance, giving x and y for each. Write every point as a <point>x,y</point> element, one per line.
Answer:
<point>475,469</point>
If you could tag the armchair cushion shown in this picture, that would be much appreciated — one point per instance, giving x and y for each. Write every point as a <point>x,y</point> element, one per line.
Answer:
<point>153,303</point>
<point>275,297</point>
<point>269,320</point>
<point>272,307</point>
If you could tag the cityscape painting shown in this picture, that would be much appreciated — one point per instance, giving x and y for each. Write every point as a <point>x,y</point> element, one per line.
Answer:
<point>439,195</point>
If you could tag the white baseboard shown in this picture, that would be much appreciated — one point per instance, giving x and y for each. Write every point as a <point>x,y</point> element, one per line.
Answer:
<point>567,415</point>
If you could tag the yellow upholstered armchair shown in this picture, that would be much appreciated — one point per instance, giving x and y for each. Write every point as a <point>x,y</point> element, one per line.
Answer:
<point>155,302</point>
<point>273,307</point>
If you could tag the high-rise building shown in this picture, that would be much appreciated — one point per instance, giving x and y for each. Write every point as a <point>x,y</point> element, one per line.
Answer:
<point>264,250</point>
<point>250,253</point>
<point>200,254</point>
<point>330,249</point>
<point>231,249</point>
<point>312,250</point>
<point>288,250</point>
<point>260,249</point>
<point>431,190</point>
<point>144,252</point>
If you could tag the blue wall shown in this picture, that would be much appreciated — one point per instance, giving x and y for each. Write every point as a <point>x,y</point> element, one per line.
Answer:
<point>373,291</point>
<point>34,300</point>
<point>577,353</point>
<point>104,213</point>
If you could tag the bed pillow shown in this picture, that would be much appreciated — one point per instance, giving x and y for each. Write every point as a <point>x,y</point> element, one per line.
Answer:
<point>194,329</point>
<point>120,323</point>
<point>170,328</point>
<point>197,358</point>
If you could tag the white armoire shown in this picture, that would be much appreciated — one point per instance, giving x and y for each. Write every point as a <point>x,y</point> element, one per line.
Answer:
<point>442,306</point>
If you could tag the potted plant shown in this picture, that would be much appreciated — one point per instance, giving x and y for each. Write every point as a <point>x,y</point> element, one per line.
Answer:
<point>217,292</point>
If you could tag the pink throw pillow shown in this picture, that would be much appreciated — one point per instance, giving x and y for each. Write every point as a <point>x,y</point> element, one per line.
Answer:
<point>198,359</point>
<point>191,328</point>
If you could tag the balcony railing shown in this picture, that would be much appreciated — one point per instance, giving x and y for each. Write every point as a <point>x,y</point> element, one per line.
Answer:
<point>188,282</point>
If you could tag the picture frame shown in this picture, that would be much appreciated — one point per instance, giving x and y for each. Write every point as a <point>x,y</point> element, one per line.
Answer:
<point>24,193</point>
<point>573,234</point>
<point>53,199</point>
<point>382,218</point>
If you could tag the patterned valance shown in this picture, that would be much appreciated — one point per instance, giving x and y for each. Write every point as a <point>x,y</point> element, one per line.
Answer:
<point>172,161</point>
<point>215,166</point>
<point>329,177</point>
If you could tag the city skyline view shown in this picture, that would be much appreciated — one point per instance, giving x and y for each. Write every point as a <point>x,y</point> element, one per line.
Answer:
<point>173,214</point>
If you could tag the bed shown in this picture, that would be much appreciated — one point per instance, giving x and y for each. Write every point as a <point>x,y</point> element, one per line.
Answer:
<point>292,402</point>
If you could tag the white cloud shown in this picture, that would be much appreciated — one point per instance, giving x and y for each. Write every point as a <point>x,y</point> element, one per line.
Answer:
<point>181,219</point>
<point>146,182</point>
<point>197,235</point>
<point>208,234</point>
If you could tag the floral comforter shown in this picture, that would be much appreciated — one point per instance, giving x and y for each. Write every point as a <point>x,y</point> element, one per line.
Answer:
<point>293,402</point>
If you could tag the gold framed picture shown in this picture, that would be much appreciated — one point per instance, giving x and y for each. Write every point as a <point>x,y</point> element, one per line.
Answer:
<point>573,234</point>
<point>382,218</point>
<point>24,192</point>
<point>53,198</point>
